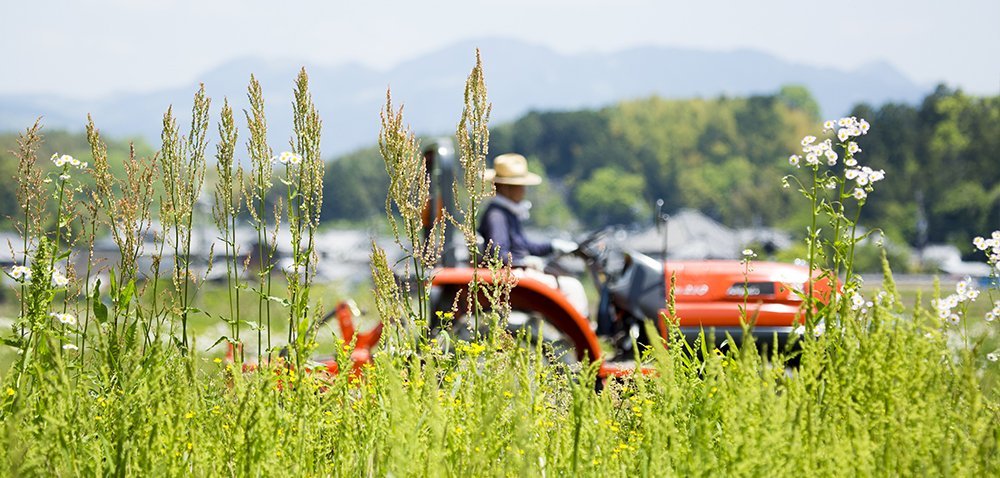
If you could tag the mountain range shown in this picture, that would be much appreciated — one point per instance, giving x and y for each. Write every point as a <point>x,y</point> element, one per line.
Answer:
<point>520,77</point>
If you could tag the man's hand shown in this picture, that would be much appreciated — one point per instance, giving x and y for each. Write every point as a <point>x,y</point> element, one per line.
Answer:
<point>562,246</point>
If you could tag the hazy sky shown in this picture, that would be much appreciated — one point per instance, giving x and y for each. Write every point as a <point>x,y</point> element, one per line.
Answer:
<point>89,48</point>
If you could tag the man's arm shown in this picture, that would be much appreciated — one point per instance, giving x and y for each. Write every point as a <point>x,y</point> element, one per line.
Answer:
<point>538,248</point>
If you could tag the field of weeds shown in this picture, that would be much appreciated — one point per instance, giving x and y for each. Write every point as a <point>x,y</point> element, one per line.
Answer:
<point>108,379</point>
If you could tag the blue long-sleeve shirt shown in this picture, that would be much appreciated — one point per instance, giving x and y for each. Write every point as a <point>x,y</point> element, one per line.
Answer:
<point>501,225</point>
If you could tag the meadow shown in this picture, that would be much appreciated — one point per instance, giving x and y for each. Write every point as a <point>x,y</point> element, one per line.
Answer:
<point>116,380</point>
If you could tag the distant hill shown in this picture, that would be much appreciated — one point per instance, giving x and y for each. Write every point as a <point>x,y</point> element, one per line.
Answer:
<point>521,77</point>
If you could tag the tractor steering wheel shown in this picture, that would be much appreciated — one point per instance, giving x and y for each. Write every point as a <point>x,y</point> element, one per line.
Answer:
<point>592,247</point>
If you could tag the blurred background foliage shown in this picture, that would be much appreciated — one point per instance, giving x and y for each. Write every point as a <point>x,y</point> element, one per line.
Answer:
<point>723,156</point>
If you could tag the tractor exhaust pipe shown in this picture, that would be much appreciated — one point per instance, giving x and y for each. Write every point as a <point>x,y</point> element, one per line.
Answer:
<point>661,227</point>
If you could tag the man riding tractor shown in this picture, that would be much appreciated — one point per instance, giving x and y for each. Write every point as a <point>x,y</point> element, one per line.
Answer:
<point>502,229</point>
<point>718,300</point>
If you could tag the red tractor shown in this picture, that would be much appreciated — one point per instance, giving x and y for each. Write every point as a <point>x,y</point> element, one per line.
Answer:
<point>723,298</point>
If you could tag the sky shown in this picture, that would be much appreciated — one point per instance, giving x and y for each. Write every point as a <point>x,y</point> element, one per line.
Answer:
<point>93,48</point>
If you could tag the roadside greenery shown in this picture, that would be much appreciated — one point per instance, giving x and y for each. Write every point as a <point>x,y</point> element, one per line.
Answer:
<point>108,380</point>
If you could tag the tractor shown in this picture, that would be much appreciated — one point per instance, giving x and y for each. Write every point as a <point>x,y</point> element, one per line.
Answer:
<point>722,299</point>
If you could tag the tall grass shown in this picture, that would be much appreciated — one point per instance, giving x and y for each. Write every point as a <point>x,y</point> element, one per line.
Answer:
<point>876,390</point>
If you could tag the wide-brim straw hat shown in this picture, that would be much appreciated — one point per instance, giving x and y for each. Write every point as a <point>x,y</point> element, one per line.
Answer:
<point>512,168</point>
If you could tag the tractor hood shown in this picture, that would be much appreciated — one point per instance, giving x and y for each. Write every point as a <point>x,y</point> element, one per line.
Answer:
<point>722,281</point>
<point>641,288</point>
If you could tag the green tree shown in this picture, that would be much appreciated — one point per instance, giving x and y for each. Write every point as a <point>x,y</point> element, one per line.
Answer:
<point>56,141</point>
<point>354,187</point>
<point>549,209</point>
<point>798,97</point>
<point>611,196</point>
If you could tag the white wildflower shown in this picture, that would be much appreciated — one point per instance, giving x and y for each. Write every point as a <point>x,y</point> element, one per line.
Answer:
<point>843,134</point>
<point>857,301</point>
<point>831,157</point>
<point>995,312</point>
<point>992,357</point>
<point>70,347</point>
<point>808,140</point>
<point>853,147</point>
<point>859,194</point>
<point>20,273</point>
<point>287,157</point>
<point>749,253</point>
<point>942,310</point>
<point>863,126</point>
<point>812,159</point>
<point>64,318</point>
<point>59,280</point>
<point>965,291</point>
<point>829,125</point>
<point>875,176</point>
<point>850,162</point>
<point>63,160</point>
<point>991,247</point>
<point>63,177</point>
<point>794,160</point>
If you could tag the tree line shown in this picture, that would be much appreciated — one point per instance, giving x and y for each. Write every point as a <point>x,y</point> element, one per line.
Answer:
<point>724,156</point>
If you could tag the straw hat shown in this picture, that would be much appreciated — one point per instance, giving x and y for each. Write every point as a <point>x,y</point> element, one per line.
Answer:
<point>512,168</point>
